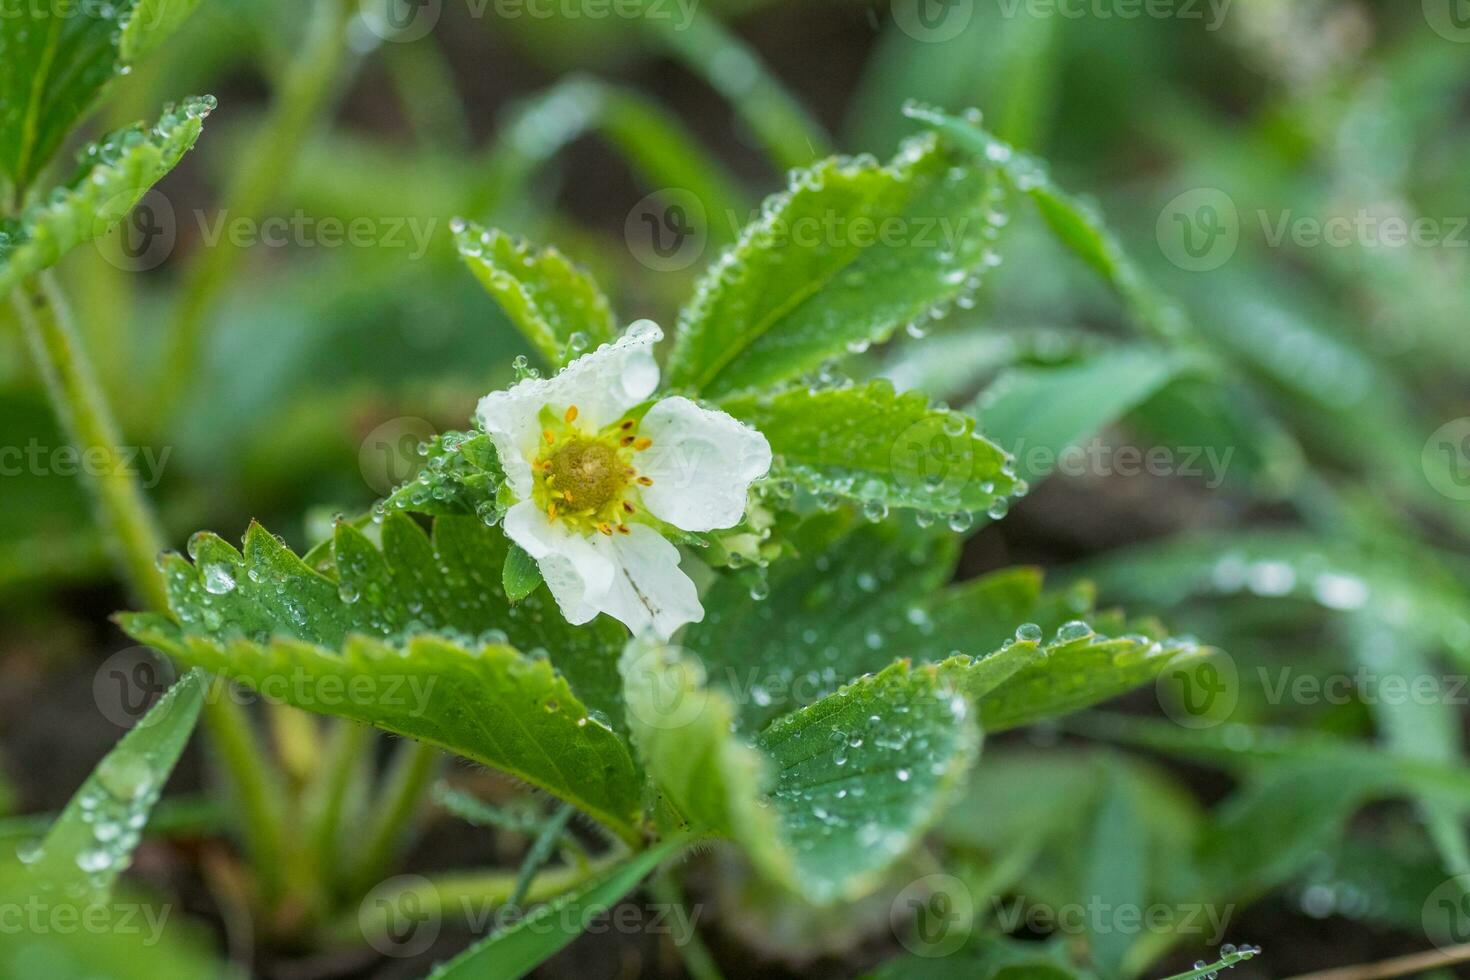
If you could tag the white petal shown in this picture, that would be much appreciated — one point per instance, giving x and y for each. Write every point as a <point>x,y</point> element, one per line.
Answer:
<point>702,464</point>
<point>577,572</point>
<point>602,384</point>
<point>649,588</point>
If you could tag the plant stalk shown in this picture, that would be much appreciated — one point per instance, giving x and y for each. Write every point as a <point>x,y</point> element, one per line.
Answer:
<point>85,416</point>
<point>404,790</point>
<point>133,532</point>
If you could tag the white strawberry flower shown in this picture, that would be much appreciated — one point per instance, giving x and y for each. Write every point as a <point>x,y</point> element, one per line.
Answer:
<point>595,470</point>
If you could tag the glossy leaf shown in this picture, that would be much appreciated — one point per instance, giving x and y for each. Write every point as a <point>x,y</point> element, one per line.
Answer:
<point>116,174</point>
<point>423,632</point>
<point>555,304</point>
<point>93,839</point>
<point>55,58</point>
<point>844,257</point>
<point>825,798</point>
<point>870,444</point>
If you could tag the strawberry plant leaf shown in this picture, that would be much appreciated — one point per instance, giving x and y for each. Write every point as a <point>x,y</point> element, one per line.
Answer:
<point>55,58</point>
<point>93,839</point>
<point>521,575</point>
<point>879,595</point>
<point>554,303</point>
<point>825,798</point>
<point>115,174</point>
<point>422,630</point>
<point>831,615</point>
<point>852,251</point>
<point>872,444</point>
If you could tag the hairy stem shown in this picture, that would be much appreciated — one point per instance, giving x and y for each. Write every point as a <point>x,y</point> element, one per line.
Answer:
<point>79,403</point>
<point>133,532</point>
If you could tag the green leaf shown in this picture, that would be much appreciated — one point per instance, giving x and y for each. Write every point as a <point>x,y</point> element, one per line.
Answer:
<point>541,934</point>
<point>849,253</point>
<point>871,444</point>
<point>824,799</point>
<point>834,612</point>
<point>1076,224</point>
<point>1037,413</point>
<point>116,174</point>
<point>461,475</point>
<point>93,839</point>
<point>414,639</point>
<point>150,24</point>
<point>853,603</point>
<point>56,56</point>
<point>1074,674</point>
<point>522,575</point>
<point>555,304</point>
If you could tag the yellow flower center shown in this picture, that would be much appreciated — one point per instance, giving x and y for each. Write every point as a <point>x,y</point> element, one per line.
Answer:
<point>587,472</point>
<point>588,479</point>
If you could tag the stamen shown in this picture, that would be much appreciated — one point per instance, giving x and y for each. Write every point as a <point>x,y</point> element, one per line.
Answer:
<point>623,529</point>
<point>605,528</point>
<point>551,512</point>
<point>626,441</point>
<point>571,415</point>
<point>548,435</point>
<point>626,424</point>
<point>629,508</point>
<point>645,481</point>
<point>642,444</point>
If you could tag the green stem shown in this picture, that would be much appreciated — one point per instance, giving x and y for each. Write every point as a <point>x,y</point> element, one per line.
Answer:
<point>405,787</point>
<point>84,413</point>
<point>327,798</point>
<point>254,784</point>
<point>540,853</point>
<point>698,962</point>
<point>137,541</point>
<point>424,82</point>
<point>302,98</point>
